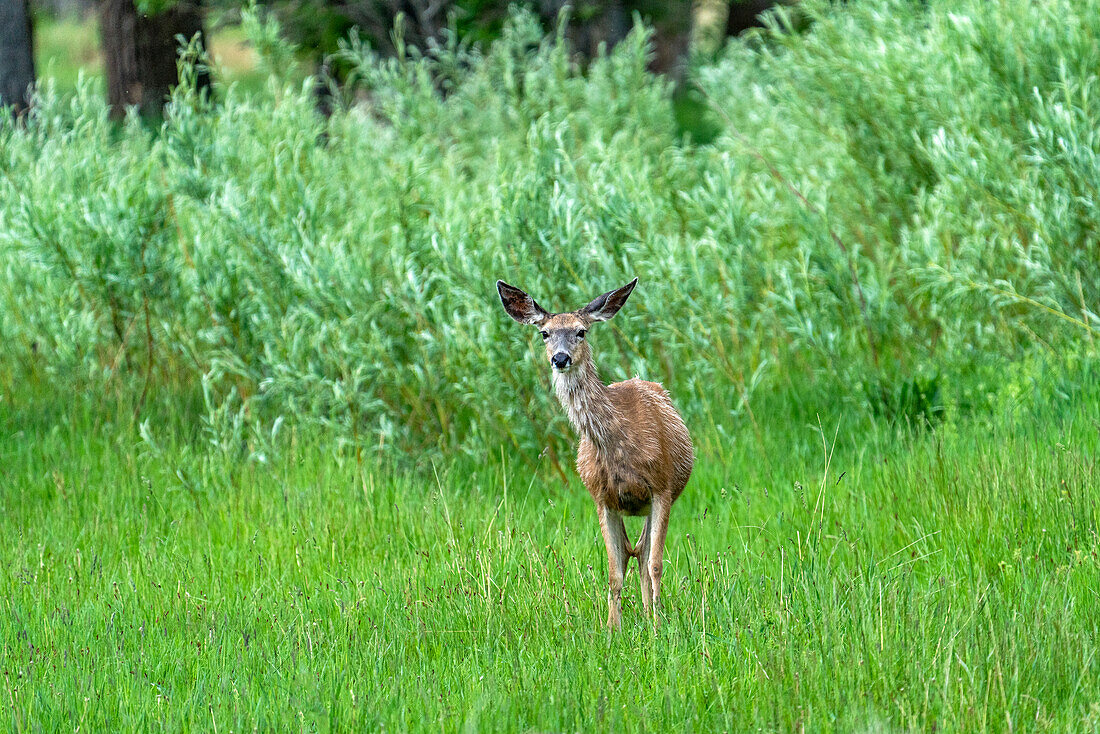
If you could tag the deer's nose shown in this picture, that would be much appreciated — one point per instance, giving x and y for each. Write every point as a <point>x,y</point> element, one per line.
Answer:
<point>561,360</point>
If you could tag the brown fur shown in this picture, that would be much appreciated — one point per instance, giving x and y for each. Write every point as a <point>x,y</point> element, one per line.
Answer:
<point>648,450</point>
<point>635,454</point>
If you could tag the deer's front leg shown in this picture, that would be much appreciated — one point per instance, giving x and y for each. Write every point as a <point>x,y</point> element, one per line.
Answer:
<point>614,538</point>
<point>658,529</point>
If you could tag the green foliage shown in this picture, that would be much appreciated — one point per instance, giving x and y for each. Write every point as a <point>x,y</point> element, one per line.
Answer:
<point>154,7</point>
<point>945,165</point>
<point>894,209</point>
<point>320,27</point>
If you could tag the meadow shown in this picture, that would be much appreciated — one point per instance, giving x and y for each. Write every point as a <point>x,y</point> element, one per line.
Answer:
<point>842,576</point>
<point>273,457</point>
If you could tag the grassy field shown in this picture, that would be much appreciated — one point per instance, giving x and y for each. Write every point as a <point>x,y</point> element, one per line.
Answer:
<point>859,577</point>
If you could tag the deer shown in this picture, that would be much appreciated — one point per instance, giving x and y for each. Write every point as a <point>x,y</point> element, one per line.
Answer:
<point>635,454</point>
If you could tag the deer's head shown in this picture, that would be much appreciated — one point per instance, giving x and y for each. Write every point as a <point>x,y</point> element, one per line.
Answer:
<point>563,333</point>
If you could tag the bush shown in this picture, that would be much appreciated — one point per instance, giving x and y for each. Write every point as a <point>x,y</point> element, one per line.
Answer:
<point>902,200</point>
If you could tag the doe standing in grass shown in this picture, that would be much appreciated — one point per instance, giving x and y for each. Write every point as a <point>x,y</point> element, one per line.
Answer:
<point>635,453</point>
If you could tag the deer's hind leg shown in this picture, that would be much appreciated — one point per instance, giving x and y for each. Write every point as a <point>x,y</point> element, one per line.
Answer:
<point>642,552</point>
<point>657,524</point>
<point>618,553</point>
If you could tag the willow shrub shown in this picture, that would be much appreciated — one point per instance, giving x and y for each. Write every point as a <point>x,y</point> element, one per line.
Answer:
<point>902,198</point>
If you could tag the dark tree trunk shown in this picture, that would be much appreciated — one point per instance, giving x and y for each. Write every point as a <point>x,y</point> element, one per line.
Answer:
<point>140,53</point>
<point>16,55</point>
<point>745,14</point>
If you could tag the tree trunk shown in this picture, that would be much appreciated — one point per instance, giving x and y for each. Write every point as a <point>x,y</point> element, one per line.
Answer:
<point>140,53</point>
<point>16,55</point>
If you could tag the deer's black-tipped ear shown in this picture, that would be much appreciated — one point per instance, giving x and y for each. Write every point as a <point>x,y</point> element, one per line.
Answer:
<point>604,307</point>
<point>520,306</point>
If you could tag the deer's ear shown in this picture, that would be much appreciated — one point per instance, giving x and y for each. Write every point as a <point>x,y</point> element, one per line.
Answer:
<point>604,307</point>
<point>520,306</point>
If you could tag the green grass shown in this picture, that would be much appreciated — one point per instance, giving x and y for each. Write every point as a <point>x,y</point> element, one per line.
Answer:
<point>916,580</point>
<point>65,47</point>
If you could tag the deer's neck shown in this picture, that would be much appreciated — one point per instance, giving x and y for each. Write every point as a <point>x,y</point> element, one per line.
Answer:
<point>585,400</point>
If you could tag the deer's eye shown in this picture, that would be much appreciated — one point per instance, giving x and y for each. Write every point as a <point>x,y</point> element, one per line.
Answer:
<point>581,333</point>
<point>545,335</point>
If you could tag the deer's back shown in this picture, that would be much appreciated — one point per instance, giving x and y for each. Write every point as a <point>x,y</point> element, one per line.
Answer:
<point>647,452</point>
